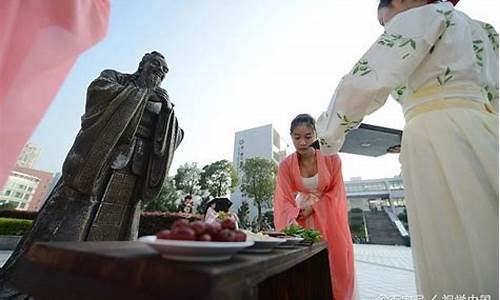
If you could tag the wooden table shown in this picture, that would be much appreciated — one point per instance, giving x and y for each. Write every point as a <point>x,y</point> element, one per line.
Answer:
<point>132,270</point>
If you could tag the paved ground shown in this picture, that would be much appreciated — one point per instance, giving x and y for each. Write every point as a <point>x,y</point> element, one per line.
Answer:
<point>382,271</point>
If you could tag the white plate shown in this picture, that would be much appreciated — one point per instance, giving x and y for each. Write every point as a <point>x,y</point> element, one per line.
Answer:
<point>264,246</point>
<point>195,250</point>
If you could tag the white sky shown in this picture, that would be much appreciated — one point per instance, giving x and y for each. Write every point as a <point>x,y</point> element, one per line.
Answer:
<point>237,65</point>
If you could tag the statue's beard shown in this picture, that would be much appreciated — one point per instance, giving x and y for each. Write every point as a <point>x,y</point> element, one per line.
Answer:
<point>149,80</point>
<point>152,81</point>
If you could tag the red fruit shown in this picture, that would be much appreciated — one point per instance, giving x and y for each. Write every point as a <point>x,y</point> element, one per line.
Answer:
<point>183,233</point>
<point>164,235</point>
<point>179,223</point>
<point>213,228</point>
<point>199,227</point>
<point>239,236</point>
<point>228,224</point>
<point>204,238</point>
<point>225,235</point>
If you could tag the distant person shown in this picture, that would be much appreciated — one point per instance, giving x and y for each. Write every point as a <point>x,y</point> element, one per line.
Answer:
<point>442,67</point>
<point>310,192</point>
<point>218,210</point>
<point>210,213</point>
<point>187,205</point>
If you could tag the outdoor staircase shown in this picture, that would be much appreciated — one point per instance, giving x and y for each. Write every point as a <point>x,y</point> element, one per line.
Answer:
<point>381,230</point>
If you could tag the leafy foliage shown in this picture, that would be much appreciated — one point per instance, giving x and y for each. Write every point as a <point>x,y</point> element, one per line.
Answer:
<point>19,214</point>
<point>14,226</point>
<point>258,182</point>
<point>219,178</point>
<point>187,178</point>
<point>166,199</point>
<point>243,215</point>
<point>268,220</point>
<point>203,205</point>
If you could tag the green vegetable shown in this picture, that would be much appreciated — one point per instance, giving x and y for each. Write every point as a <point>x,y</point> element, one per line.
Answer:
<point>305,233</point>
<point>294,230</point>
<point>222,215</point>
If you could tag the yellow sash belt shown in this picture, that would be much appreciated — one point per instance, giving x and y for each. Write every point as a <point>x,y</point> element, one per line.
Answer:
<point>448,103</point>
<point>445,103</point>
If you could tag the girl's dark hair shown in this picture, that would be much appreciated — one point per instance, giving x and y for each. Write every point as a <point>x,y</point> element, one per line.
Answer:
<point>384,3</point>
<point>303,119</point>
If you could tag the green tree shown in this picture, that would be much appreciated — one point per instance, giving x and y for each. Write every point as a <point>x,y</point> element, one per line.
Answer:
<point>219,178</point>
<point>203,205</point>
<point>258,182</point>
<point>268,220</point>
<point>187,178</point>
<point>243,215</point>
<point>166,199</point>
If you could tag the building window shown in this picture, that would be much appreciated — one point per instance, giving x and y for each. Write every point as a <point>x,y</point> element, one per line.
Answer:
<point>374,187</point>
<point>393,185</point>
<point>8,192</point>
<point>26,196</point>
<point>356,188</point>
<point>30,189</point>
<point>15,203</point>
<point>18,195</point>
<point>396,185</point>
<point>23,205</point>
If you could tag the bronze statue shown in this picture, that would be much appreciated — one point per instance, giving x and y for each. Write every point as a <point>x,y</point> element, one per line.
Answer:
<point>119,159</point>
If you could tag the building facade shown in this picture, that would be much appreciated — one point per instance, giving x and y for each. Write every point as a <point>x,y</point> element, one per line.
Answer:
<point>264,142</point>
<point>374,194</point>
<point>29,156</point>
<point>26,188</point>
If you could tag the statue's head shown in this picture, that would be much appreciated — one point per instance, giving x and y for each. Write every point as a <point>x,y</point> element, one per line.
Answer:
<point>153,68</point>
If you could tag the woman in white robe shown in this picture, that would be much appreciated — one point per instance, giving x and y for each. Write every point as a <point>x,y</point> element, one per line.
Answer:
<point>442,67</point>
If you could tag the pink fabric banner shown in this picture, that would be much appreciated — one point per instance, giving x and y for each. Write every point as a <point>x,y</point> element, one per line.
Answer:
<point>40,41</point>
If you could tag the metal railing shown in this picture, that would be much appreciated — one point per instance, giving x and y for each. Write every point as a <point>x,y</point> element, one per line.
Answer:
<point>402,230</point>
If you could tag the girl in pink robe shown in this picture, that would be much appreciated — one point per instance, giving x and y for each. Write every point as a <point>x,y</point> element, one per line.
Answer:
<point>323,207</point>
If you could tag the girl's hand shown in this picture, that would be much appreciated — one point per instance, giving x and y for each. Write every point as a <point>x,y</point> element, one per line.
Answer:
<point>306,212</point>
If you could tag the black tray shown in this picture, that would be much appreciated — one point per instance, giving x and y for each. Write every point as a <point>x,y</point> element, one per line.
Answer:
<point>371,140</point>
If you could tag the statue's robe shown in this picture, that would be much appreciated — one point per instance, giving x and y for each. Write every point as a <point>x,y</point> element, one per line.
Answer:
<point>120,158</point>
